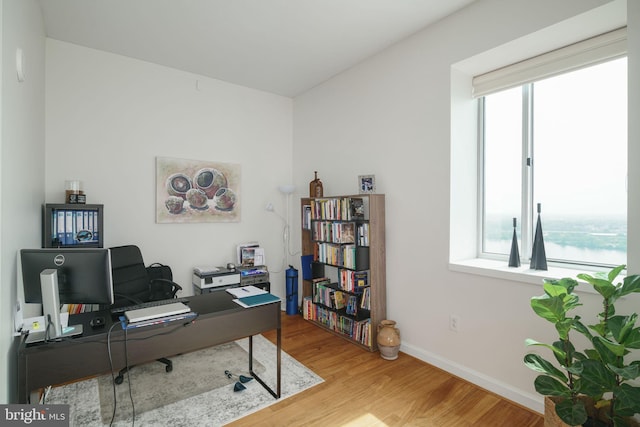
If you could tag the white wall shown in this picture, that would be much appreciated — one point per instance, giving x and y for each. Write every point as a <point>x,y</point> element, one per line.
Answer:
<point>109,116</point>
<point>22,160</point>
<point>390,116</point>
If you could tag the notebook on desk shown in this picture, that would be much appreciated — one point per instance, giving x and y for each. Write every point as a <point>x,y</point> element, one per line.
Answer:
<point>149,313</point>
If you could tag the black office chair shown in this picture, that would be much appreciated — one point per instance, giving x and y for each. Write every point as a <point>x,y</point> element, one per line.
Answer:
<point>133,283</point>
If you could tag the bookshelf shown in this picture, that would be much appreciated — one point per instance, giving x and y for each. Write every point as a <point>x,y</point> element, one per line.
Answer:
<point>344,289</point>
<point>72,226</point>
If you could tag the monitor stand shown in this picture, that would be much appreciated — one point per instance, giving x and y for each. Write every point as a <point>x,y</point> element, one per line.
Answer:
<point>51,309</point>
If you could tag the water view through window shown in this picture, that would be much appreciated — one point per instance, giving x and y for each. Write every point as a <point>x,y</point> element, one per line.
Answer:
<point>577,151</point>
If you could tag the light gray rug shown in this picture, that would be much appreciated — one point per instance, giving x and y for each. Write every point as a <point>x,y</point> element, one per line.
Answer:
<point>215,407</point>
<point>193,374</point>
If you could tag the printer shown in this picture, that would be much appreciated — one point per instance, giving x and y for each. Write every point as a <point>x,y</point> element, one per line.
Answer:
<point>211,279</point>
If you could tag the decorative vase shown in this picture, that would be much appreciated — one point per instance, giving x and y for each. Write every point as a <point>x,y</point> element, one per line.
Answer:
<point>315,187</point>
<point>388,339</point>
<point>514,256</point>
<point>538,254</point>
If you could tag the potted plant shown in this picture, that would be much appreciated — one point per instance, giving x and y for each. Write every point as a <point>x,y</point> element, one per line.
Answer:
<point>594,386</point>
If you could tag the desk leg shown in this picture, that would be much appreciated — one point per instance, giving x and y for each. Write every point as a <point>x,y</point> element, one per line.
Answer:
<point>276,393</point>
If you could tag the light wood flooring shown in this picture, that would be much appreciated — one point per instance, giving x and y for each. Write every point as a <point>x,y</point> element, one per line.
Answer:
<point>362,389</point>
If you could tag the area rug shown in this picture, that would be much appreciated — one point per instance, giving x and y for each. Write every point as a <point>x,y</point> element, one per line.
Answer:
<point>193,374</point>
<point>215,407</point>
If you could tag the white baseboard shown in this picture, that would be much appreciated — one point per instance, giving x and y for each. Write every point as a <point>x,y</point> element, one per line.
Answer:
<point>532,401</point>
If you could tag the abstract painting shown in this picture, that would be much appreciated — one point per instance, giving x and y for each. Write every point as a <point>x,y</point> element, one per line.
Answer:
<point>196,191</point>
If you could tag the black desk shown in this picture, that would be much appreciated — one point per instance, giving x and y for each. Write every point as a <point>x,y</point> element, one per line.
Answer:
<point>220,320</point>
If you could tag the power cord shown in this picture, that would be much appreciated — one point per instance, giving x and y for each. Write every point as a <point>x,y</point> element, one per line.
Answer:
<point>126,361</point>
<point>46,329</point>
<point>113,378</point>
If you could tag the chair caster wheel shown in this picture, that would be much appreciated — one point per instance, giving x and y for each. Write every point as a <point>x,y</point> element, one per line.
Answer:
<point>169,368</point>
<point>119,379</point>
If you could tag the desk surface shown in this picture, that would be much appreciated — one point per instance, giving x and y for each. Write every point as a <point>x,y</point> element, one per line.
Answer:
<point>219,320</point>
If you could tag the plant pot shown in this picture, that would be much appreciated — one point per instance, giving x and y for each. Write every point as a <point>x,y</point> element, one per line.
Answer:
<point>551,419</point>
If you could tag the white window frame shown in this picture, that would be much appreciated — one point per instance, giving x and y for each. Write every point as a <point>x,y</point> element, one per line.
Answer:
<point>465,172</point>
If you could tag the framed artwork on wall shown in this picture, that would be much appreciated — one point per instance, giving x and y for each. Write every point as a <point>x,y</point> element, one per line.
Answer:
<point>196,191</point>
<point>367,184</point>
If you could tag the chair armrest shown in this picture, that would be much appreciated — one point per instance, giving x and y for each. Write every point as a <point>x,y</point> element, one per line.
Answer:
<point>163,289</point>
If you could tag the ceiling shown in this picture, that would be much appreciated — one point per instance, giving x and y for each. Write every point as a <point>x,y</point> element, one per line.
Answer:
<point>280,46</point>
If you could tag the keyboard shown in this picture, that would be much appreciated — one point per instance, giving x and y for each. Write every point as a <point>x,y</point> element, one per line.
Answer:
<point>121,310</point>
<point>156,312</point>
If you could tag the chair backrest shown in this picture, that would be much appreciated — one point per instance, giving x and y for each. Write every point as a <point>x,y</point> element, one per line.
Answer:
<point>130,276</point>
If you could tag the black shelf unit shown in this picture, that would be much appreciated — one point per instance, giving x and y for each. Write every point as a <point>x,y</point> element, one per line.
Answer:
<point>72,225</point>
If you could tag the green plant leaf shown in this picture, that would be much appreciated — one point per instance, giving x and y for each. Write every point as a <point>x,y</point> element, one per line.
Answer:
<point>592,354</point>
<point>611,276</point>
<point>630,372</point>
<point>604,288</point>
<point>549,308</point>
<point>630,284</point>
<point>621,326</point>
<point>581,328</point>
<point>563,328</point>
<point>588,388</point>
<point>560,354</point>
<point>615,348</point>
<point>549,386</point>
<point>627,400</point>
<point>572,413</point>
<point>539,364</point>
<point>598,374</point>
<point>600,329</point>
<point>633,339</point>
<point>557,287</point>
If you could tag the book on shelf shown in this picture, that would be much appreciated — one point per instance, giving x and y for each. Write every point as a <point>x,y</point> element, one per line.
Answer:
<point>358,208</point>
<point>346,232</point>
<point>306,217</point>
<point>352,305</point>
<point>339,208</point>
<point>321,280</point>
<point>361,278</point>
<point>365,301</point>
<point>339,299</point>
<point>68,226</point>
<point>74,227</point>
<point>363,234</point>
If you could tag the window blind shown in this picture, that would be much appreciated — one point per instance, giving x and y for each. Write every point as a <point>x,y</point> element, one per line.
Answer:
<point>588,52</point>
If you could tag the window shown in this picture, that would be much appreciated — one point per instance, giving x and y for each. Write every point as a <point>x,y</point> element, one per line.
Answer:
<point>560,142</point>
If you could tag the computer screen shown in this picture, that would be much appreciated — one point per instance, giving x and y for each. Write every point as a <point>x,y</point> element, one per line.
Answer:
<point>84,274</point>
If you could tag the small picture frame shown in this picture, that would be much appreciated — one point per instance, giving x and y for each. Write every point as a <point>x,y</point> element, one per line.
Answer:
<point>367,184</point>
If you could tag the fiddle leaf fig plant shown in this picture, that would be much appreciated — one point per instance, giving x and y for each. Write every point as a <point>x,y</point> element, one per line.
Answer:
<point>599,375</point>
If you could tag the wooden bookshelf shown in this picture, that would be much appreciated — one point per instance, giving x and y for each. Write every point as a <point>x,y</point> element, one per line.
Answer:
<point>345,238</point>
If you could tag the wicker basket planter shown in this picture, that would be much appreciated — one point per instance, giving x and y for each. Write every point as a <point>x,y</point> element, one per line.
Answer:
<point>551,419</point>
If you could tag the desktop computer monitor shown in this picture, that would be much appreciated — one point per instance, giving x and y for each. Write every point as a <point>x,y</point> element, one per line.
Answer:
<point>65,276</point>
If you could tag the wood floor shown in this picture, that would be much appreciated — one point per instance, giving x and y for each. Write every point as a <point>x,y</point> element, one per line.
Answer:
<point>362,389</point>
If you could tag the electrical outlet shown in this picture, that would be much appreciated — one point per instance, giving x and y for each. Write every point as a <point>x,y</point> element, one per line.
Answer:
<point>454,323</point>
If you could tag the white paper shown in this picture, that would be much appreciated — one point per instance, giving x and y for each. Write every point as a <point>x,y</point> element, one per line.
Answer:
<point>246,291</point>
